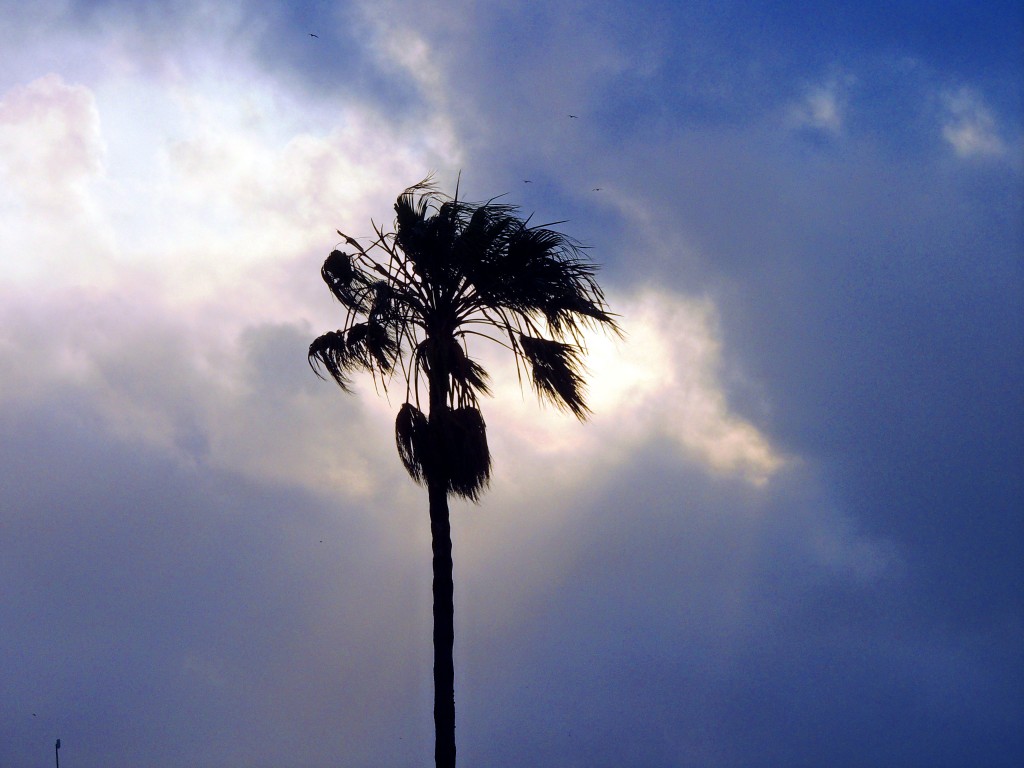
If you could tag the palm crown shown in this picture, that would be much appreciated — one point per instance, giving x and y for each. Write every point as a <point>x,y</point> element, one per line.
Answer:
<point>449,271</point>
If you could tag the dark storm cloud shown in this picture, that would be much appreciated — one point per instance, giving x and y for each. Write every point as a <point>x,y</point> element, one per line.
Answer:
<point>877,303</point>
<point>684,610</point>
<point>344,60</point>
<point>883,314</point>
<point>177,614</point>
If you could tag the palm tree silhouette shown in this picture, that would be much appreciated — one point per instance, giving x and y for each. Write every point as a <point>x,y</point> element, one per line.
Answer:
<point>452,271</point>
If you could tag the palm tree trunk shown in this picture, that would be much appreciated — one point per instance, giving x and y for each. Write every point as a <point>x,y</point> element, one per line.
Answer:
<point>444,629</point>
<point>444,587</point>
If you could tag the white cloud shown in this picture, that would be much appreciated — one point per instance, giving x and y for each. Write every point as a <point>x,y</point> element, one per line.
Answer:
<point>139,274</point>
<point>821,109</point>
<point>663,381</point>
<point>202,200</point>
<point>970,127</point>
<point>50,140</point>
<point>51,164</point>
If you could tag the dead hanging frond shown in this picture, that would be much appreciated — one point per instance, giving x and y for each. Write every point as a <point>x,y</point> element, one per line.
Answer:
<point>412,436</point>
<point>451,447</point>
<point>466,376</point>
<point>556,370</point>
<point>462,455</point>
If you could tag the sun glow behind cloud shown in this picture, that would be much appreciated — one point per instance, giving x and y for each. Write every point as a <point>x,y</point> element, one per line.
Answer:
<point>662,381</point>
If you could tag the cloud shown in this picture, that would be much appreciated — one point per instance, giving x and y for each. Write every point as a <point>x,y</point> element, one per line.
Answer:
<point>52,155</point>
<point>970,127</point>
<point>786,535</point>
<point>214,197</point>
<point>670,587</point>
<point>664,380</point>
<point>50,142</point>
<point>246,610</point>
<point>823,107</point>
<point>189,355</point>
<point>195,249</point>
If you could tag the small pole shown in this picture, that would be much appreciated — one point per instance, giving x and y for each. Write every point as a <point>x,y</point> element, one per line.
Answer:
<point>56,751</point>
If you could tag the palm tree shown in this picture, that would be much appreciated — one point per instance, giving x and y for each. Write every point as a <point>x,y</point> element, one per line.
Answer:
<point>450,272</point>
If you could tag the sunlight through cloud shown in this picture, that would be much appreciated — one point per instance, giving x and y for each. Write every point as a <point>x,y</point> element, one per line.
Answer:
<point>662,381</point>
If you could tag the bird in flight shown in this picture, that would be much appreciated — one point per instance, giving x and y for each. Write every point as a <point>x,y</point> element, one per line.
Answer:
<point>574,117</point>
<point>597,189</point>
<point>527,181</point>
<point>316,36</point>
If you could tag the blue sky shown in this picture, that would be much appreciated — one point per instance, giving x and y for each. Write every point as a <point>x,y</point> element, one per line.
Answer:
<point>791,533</point>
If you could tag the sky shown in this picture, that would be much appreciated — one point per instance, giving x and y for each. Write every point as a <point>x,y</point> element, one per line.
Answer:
<point>792,532</point>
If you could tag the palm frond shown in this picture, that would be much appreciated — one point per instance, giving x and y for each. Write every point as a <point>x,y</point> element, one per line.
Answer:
<point>382,306</point>
<point>556,370</point>
<point>344,279</point>
<point>330,352</point>
<point>410,219</point>
<point>370,346</point>
<point>470,376</point>
<point>467,376</point>
<point>541,272</point>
